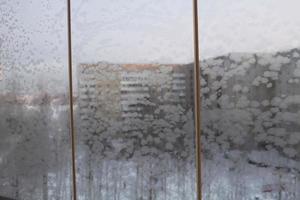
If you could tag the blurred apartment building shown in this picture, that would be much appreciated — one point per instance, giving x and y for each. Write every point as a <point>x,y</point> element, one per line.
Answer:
<point>128,91</point>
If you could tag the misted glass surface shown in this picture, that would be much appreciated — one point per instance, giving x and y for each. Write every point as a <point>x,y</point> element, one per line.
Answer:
<point>250,76</point>
<point>134,99</point>
<point>34,133</point>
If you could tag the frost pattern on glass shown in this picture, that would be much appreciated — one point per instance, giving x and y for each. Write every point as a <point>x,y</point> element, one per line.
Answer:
<point>251,126</point>
<point>34,144</point>
<point>136,131</point>
<point>134,108</point>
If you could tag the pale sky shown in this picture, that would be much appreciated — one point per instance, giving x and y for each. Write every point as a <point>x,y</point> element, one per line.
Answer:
<point>137,31</point>
<point>162,30</point>
<point>33,35</point>
<point>248,26</point>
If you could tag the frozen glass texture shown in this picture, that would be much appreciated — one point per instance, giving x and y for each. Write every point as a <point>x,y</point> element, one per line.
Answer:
<point>134,99</point>
<point>250,87</point>
<point>34,133</point>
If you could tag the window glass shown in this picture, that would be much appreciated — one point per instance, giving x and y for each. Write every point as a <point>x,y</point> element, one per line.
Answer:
<point>34,144</point>
<point>134,62</point>
<point>250,64</point>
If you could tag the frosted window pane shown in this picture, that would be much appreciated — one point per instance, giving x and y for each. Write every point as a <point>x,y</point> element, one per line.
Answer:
<point>34,133</point>
<point>134,99</point>
<point>250,63</point>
